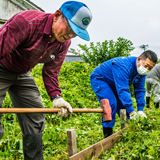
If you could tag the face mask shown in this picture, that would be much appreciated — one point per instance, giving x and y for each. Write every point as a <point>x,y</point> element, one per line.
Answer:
<point>142,70</point>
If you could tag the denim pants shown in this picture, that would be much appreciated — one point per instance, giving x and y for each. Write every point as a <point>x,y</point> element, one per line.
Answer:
<point>105,91</point>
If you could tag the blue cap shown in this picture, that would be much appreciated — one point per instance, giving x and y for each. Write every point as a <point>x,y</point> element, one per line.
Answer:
<point>79,17</point>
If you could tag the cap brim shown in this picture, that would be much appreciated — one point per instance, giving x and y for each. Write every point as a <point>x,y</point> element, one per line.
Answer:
<point>79,31</point>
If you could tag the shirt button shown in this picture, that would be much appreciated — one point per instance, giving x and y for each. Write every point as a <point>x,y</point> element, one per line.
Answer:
<point>48,42</point>
<point>40,57</point>
<point>49,35</point>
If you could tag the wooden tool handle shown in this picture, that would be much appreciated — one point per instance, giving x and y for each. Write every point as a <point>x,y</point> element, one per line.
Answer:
<point>47,110</point>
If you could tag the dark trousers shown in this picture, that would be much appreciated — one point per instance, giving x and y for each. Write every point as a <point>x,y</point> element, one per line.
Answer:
<point>24,93</point>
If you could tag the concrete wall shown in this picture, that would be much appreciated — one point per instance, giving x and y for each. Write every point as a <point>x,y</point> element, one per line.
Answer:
<point>8,8</point>
<point>73,58</point>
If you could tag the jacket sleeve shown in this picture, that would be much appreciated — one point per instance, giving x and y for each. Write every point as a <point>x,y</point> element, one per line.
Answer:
<point>12,34</point>
<point>139,92</point>
<point>121,79</point>
<point>51,71</point>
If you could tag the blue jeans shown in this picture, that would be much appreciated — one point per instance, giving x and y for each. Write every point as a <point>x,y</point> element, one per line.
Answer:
<point>104,91</point>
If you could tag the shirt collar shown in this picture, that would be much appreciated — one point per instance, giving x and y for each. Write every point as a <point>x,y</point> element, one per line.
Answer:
<point>48,26</point>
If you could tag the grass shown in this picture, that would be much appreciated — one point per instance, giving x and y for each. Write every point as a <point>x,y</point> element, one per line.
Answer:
<point>141,141</point>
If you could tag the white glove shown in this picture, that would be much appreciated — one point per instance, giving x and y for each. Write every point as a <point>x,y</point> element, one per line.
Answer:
<point>134,116</point>
<point>65,108</point>
<point>141,114</point>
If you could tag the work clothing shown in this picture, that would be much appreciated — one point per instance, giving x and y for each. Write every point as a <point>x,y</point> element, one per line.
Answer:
<point>147,102</point>
<point>65,108</point>
<point>141,114</point>
<point>107,132</point>
<point>24,93</point>
<point>152,82</point>
<point>156,105</point>
<point>154,73</point>
<point>134,116</point>
<point>32,147</point>
<point>111,80</point>
<point>25,42</point>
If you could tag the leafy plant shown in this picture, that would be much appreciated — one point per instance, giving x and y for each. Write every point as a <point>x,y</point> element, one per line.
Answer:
<point>101,52</point>
<point>140,141</point>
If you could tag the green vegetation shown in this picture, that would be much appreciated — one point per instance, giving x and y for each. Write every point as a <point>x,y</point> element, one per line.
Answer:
<point>141,141</point>
<point>101,52</point>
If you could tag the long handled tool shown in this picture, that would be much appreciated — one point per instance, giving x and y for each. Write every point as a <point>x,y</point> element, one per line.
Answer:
<point>47,110</point>
<point>105,110</point>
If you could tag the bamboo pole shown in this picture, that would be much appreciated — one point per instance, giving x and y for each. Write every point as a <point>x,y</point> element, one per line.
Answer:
<point>47,110</point>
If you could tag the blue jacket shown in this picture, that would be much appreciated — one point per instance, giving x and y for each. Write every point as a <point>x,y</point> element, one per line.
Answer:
<point>121,72</point>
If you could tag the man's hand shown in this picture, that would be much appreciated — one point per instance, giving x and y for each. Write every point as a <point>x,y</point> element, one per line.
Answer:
<point>141,114</point>
<point>133,115</point>
<point>65,108</point>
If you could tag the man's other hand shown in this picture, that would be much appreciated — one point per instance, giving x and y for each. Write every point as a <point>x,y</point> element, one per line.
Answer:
<point>141,114</point>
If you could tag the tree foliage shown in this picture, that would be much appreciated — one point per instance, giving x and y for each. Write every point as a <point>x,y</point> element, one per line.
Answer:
<point>101,52</point>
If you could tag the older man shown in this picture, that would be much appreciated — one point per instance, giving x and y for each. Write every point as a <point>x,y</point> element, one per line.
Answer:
<point>32,37</point>
<point>111,80</point>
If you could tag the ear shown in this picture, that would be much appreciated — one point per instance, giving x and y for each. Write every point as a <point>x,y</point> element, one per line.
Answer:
<point>138,59</point>
<point>137,62</point>
<point>57,14</point>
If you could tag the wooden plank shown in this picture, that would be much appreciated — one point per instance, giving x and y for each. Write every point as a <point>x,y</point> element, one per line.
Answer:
<point>97,149</point>
<point>71,139</point>
<point>123,118</point>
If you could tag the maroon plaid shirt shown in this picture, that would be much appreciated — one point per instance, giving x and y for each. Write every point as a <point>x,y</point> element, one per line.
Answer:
<point>25,42</point>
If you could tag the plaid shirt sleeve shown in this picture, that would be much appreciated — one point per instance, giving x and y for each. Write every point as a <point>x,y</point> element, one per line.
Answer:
<point>12,34</point>
<point>51,71</point>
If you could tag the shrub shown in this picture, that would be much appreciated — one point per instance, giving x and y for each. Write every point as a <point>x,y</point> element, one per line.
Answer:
<point>101,52</point>
<point>140,141</point>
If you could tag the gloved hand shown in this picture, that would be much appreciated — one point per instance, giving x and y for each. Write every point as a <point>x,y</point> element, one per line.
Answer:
<point>134,116</point>
<point>65,108</point>
<point>141,114</point>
